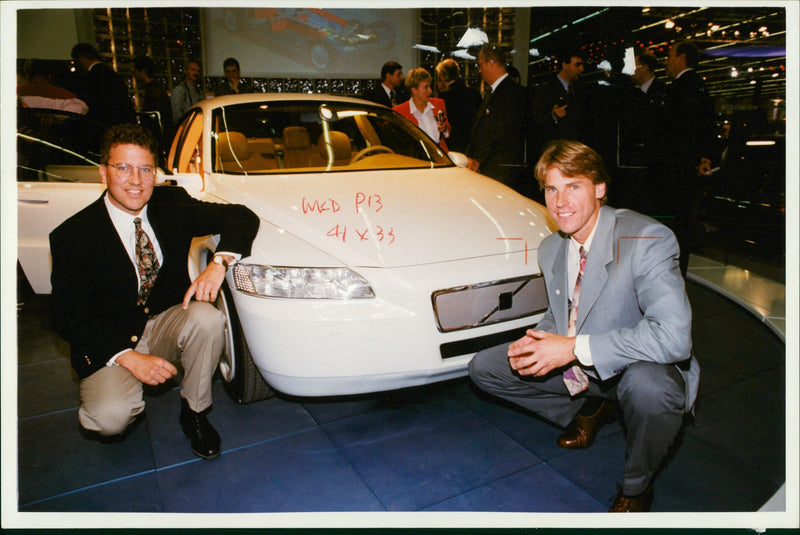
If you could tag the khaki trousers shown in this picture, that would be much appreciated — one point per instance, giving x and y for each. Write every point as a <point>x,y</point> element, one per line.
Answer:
<point>191,339</point>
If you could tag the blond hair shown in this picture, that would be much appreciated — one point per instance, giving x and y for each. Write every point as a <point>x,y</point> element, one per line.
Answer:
<point>572,159</point>
<point>414,77</point>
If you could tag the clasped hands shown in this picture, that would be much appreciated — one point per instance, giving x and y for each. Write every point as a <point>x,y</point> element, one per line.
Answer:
<point>538,353</point>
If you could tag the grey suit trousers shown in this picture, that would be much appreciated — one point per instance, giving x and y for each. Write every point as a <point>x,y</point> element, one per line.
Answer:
<point>650,396</point>
<point>192,339</point>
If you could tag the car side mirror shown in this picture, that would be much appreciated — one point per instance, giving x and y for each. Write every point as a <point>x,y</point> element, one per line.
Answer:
<point>458,158</point>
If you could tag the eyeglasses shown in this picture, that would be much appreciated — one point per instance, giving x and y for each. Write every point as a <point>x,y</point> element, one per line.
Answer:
<point>124,170</point>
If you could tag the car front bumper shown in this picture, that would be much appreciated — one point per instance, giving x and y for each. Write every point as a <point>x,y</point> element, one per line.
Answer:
<point>307,347</point>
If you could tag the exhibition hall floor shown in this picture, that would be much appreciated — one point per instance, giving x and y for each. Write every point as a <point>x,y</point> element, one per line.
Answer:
<point>439,448</point>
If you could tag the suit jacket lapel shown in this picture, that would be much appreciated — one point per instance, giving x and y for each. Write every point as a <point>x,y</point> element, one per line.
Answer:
<point>559,296</point>
<point>159,219</point>
<point>116,253</point>
<point>600,256</point>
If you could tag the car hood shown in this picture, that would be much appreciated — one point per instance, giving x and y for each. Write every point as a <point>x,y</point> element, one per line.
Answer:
<point>392,218</point>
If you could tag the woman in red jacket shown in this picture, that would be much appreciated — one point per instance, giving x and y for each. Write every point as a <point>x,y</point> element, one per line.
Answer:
<point>426,112</point>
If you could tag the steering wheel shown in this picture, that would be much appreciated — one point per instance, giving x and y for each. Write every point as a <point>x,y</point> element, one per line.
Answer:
<point>369,150</point>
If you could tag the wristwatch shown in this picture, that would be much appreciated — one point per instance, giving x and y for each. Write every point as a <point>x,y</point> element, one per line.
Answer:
<point>220,260</point>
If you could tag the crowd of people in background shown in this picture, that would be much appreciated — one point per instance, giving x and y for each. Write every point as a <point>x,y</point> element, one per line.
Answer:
<point>655,137</point>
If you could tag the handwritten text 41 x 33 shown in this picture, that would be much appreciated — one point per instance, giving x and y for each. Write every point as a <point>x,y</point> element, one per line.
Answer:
<point>362,203</point>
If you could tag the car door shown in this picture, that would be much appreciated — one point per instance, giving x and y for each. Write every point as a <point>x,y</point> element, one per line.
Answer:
<point>57,162</point>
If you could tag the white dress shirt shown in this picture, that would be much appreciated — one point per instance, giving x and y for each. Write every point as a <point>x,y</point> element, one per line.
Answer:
<point>426,120</point>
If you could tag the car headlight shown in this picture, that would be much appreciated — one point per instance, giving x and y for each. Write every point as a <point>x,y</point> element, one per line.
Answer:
<point>301,283</point>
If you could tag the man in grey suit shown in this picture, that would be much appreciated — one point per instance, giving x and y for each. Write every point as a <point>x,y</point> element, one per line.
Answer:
<point>617,333</point>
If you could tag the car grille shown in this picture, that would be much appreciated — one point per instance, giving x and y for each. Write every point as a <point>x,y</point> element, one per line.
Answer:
<point>476,305</point>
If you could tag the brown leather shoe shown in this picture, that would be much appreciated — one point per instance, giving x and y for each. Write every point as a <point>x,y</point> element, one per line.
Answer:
<point>633,504</point>
<point>582,431</point>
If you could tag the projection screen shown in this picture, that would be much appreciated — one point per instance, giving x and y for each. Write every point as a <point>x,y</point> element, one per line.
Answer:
<point>304,42</point>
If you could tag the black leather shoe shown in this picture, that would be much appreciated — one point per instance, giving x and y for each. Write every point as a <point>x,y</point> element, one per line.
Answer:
<point>633,504</point>
<point>203,437</point>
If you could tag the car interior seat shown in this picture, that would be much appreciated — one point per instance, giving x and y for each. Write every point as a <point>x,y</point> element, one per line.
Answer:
<point>296,147</point>
<point>234,153</point>
<point>266,148</point>
<point>340,147</point>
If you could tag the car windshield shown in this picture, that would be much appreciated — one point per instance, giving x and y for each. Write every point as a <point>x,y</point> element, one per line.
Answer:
<point>317,136</point>
<point>56,146</point>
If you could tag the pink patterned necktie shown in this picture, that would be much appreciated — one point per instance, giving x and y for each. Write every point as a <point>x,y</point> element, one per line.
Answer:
<point>146,262</point>
<point>575,378</point>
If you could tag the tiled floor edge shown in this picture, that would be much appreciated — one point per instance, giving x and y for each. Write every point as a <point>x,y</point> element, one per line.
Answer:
<point>695,275</point>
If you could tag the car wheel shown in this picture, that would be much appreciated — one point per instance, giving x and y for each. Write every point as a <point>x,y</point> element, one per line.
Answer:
<point>240,376</point>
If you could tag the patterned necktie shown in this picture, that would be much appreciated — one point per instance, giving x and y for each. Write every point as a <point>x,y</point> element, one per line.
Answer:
<point>393,97</point>
<point>575,378</point>
<point>146,261</point>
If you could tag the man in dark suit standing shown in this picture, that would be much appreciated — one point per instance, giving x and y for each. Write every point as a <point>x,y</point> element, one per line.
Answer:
<point>102,89</point>
<point>462,103</point>
<point>496,142</point>
<point>558,105</point>
<point>690,144</point>
<point>617,330</point>
<point>123,298</point>
<point>391,90</point>
<point>641,136</point>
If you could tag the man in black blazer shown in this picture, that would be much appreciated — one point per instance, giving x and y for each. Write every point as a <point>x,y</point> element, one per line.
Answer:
<point>101,88</point>
<point>639,184</point>
<point>391,90</point>
<point>558,105</point>
<point>462,103</point>
<point>123,327</point>
<point>690,143</point>
<point>496,142</point>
